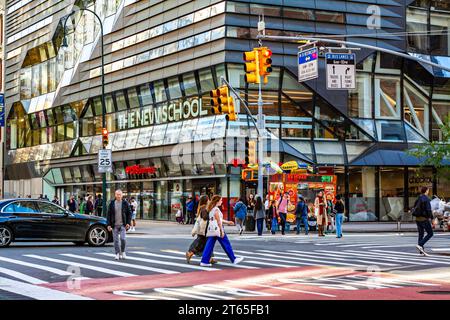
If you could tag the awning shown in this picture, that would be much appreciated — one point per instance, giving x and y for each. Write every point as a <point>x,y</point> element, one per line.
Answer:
<point>383,157</point>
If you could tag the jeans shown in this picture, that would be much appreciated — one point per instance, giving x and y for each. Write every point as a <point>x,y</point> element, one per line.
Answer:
<point>339,220</point>
<point>259,225</point>
<point>303,220</point>
<point>282,221</point>
<point>209,248</point>
<point>119,237</point>
<point>424,226</point>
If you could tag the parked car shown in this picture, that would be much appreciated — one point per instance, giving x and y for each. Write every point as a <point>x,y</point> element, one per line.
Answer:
<point>40,220</point>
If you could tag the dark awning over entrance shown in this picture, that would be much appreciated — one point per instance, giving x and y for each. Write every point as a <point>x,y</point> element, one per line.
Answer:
<point>384,157</point>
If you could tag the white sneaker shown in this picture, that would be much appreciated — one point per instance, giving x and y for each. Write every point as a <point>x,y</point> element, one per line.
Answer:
<point>123,256</point>
<point>238,260</point>
<point>117,257</point>
<point>205,264</point>
<point>421,250</point>
<point>133,229</point>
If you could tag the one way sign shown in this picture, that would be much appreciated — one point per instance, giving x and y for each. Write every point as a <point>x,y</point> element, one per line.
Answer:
<point>341,71</point>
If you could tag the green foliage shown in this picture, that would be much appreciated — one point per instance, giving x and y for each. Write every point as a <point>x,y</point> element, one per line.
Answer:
<point>434,153</point>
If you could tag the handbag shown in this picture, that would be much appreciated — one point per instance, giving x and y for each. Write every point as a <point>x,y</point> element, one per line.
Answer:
<point>203,226</point>
<point>196,227</point>
<point>213,227</point>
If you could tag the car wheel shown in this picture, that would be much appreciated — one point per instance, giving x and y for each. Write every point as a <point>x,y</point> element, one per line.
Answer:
<point>97,236</point>
<point>6,236</point>
<point>79,243</point>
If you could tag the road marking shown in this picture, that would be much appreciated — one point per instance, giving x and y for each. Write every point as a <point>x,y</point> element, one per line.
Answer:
<point>21,276</point>
<point>38,266</point>
<point>195,259</point>
<point>375,257</point>
<point>440,249</point>
<point>82,265</point>
<point>441,260</point>
<point>188,266</point>
<point>121,264</point>
<point>312,262</point>
<point>410,259</point>
<point>414,255</point>
<point>282,289</point>
<point>331,257</point>
<point>387,246</point>
<point>36,292</point>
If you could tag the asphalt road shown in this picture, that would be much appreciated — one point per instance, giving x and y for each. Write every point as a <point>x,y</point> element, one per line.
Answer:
<point>358,266</point>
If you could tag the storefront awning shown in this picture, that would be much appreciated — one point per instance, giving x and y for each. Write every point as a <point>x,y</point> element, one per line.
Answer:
<point>384,157</point>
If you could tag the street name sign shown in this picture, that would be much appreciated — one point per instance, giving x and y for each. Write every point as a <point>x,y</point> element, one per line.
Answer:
<point>341,71</point>
<point>308,67</point>
<point>104,160</point>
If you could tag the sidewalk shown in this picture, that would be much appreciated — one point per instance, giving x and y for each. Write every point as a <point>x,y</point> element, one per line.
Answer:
<point>169,227</point>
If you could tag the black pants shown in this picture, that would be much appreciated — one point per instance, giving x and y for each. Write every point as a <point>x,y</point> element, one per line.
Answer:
<point>422,227</point>
<point>282,221</point>
<point>190,217</point>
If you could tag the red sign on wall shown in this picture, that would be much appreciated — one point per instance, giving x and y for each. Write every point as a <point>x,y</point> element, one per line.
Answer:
<point>137,169</point>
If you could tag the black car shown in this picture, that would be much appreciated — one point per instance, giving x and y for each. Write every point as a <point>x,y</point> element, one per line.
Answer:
<point>41,220</point>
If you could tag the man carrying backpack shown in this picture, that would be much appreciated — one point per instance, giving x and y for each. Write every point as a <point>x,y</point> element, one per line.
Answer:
<point>423,214</point>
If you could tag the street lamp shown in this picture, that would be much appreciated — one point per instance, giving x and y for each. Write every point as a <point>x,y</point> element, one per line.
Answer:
<point>65,45</point>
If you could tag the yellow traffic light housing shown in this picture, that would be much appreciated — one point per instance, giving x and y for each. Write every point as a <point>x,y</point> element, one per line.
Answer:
<point>265,63</point>
<point>252,66</point>
<point>215,105</point>
<point>226,103</point>
<point>105,139</point>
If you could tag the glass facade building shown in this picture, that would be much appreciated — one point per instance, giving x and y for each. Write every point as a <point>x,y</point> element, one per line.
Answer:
<point>162,59</point>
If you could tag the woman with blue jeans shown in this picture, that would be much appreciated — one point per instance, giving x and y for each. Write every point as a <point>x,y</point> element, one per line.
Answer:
<point>340,209</point>
<point>216,215</point>
<point>260,215</point>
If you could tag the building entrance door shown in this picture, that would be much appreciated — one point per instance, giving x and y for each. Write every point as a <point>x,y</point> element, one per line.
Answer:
<point>200,188</point>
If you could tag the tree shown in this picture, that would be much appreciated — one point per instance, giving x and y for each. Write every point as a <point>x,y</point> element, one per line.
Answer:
<point>435,153</point>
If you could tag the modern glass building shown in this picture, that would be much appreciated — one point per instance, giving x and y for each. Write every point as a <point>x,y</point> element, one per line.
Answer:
<point>162,59</point>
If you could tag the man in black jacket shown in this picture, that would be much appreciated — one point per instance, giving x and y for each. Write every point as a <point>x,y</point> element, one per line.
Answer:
<point>118,221</point>
<point>423,214</point>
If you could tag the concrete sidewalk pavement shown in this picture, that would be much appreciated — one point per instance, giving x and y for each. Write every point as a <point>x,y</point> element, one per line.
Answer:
<point>174,228</point>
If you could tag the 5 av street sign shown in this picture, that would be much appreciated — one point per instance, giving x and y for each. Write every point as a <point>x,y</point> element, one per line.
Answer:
<point>308,67</point>
<point>341,71</point>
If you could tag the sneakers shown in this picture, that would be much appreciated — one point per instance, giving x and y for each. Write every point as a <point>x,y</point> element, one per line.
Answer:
<point>189,256</point>
<point>205,264</point>
<point>133,229</point>
<point>124,256</point>
<point>213,261</point>
<point>422,251</point>
<point>120,256</point>
<point>240,232</point>
<point>117,257</point>
<point>238,260</point>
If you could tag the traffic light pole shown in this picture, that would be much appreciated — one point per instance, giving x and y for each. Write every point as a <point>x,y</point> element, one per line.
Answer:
<point>260,143</point>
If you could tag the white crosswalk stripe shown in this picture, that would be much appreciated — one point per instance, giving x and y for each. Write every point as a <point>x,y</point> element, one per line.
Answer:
<point>37,266</point>
<point>82,265</point>
<point>21,276</point>
<point>122,264</point>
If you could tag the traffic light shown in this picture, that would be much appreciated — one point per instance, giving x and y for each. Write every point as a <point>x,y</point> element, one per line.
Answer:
<point>226,103</point>
<point>105,137</point>
<point>215,105</point>
<point>265,63</point>
<point>247,150</point>
<point>252,66</point>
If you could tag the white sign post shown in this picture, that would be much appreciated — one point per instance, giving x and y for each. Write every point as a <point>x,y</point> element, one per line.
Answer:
<point>341,71</point>
<point>308,66</point>
<point>104,160</point>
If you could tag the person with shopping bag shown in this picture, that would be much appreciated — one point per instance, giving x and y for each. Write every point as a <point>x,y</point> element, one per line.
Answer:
<point>216,232</point>
<point>274,217</point>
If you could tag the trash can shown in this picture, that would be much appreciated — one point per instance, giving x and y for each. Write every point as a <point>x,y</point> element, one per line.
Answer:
<point>250,222</point>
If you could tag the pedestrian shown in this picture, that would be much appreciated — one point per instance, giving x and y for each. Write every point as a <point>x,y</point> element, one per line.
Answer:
<point>320,208</point>
<point>118,221</point>
<point>274,217</point>
<point>82,205</point>
<point>134,206</point>
<point>98,206</point>
<point>301,214</point>
<point>200,229</point>
<point>89,208</point>
<point>330,214</point>
<point>46,198</point>
<point>283,204</point>
<point>56,200</point>
<point>190,210</point>
<point>40,197</point>
<point>422,212</point>
<point>339,207</point>
<point>266,208</point>
<point>260,215</point>
<point>72,204</point>
<point>240,214</point>
<point>250,221</point>
<point>217,233</point>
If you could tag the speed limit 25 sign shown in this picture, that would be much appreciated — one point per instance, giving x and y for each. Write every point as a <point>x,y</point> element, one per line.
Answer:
<point>104,160</point>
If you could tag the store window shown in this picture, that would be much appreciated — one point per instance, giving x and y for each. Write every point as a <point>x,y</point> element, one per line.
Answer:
<point>391,193</point>
<point>148,200</point>
<point>362,194</point>
<point>360,99</point>
<point>162,207</point>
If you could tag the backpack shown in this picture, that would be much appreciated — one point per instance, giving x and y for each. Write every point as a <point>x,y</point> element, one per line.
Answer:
<point>417,210</point>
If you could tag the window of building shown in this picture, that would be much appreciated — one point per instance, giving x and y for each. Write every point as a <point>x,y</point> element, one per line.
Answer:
<point>362,194</point>
<point>387,97</point>
<point>121,103</point>
<point>190,85</point>
<point>160,91</point>
<point>206,80</point>
<point>391,193</point>
<point>360,99</point>
<point>174,88</point>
